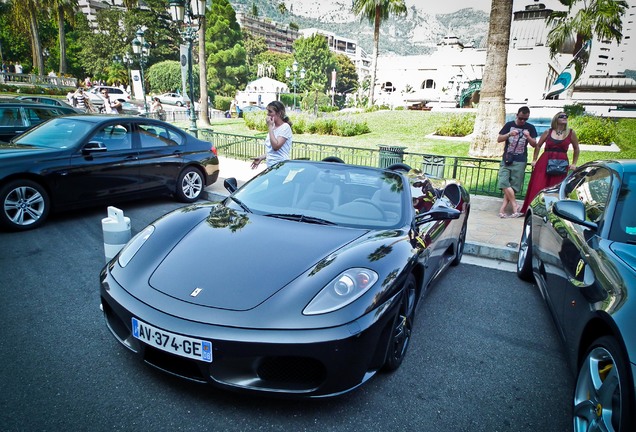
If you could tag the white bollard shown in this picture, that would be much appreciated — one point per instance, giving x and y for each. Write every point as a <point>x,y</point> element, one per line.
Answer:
<point>116,230</point>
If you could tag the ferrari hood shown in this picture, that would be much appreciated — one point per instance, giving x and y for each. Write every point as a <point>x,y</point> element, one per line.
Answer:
<point>235,261</point>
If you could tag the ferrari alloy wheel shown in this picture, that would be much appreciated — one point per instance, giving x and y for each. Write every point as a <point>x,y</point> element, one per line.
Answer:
<point>25,205</point>
<point>190,185</point>
<point>603,396</point>
<point>524,256</point>
<point>402,327</point>
<point>461,242</point>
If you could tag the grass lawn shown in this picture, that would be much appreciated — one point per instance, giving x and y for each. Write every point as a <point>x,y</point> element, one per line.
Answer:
<point>410,128</point>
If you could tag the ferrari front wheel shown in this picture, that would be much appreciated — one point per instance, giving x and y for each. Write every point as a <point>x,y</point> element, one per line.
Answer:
<point>402,326</point>
<point>603,396</point>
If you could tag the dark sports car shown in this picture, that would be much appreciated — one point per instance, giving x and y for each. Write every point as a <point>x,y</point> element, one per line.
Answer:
<point>303,282</point>
<point>579,245</point>
<point>84,160</point>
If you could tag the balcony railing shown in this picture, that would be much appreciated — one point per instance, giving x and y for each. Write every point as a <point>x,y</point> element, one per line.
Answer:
<point>479,176</point>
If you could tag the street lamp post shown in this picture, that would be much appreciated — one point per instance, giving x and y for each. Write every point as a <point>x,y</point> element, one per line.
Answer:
<point>294,74</point>
<point>142,49</point>
<point>187,14</point>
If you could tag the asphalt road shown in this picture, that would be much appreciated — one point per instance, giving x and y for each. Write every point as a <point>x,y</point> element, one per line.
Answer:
<point>485,355</point>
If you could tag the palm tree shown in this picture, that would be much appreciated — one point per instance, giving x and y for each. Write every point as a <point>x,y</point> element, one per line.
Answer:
<point>62,9</point>
<point>596,18</point>
<point>203,76</point>
<point>377,11</point>
<point>491,112</point>
<point>25,16</point>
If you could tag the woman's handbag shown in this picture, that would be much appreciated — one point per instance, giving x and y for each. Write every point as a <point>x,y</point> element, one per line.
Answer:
<point>557,167</point>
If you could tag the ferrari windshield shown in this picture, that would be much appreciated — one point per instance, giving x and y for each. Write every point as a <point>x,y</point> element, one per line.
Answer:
<point>327,193</point>
<point>57,133</point>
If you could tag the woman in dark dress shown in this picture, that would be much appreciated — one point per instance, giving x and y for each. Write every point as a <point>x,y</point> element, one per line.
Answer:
<point>557,141</point>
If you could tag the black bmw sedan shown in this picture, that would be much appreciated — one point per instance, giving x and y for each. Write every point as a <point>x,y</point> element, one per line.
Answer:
<point>579,245</point>
<point>80,161</point>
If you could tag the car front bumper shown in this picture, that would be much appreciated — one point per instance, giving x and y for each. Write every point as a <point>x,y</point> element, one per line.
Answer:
<point>297,363</point>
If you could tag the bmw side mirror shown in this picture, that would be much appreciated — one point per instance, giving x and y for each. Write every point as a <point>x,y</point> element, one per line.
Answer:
<point>94,147</point>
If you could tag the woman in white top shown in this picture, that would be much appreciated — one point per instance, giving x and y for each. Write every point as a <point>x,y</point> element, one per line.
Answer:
<point>278,143</point>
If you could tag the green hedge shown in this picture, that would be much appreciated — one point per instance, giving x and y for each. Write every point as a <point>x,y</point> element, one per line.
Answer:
<point>302,124</point>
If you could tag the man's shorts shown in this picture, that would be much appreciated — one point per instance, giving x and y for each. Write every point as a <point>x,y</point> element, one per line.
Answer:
<point>512,175</point>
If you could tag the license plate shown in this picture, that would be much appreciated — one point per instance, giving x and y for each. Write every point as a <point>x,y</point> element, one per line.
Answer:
<point>173,343</point>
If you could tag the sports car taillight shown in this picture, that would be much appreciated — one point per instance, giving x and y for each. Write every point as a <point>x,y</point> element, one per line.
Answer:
<point>214,151</point>
<point>341,291</point>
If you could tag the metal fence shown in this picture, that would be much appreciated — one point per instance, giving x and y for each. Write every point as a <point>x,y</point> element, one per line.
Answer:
<point>479,176</point>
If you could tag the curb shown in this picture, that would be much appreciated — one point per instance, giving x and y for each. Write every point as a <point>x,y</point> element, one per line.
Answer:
<point>483,250</point>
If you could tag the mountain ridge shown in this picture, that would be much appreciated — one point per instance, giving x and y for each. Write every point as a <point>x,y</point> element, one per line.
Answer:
<point>415,34</point>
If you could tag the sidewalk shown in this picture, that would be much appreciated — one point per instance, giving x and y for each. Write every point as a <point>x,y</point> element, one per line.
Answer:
<point>488,236</point>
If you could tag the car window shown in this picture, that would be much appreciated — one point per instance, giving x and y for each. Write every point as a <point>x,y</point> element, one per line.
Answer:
<point>624,224</point>
<point>592,187</point>
<point>39,115</point>
<point>58,133</point>
<point>115,137</point>
<point>151,135</point>
<point>10,117</point>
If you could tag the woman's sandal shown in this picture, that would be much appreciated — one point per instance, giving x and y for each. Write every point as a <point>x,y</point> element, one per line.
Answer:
<point>503,215</point>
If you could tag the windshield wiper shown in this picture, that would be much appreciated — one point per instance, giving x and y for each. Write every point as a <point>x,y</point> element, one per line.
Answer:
<point>239,202</point>
<point>301,218</point>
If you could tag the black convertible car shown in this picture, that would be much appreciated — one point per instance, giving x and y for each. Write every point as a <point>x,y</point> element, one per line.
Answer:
<point>579,245</point>
<point>303,282</point>
<point>84,160</point>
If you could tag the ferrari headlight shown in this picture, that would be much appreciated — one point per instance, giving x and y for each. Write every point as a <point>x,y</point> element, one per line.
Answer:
<point>134,245</point>
<point>341,291</point>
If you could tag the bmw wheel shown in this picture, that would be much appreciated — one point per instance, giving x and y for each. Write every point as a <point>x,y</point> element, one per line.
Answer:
<point>524,255</point>
<point>190,185</point>
<point>603,395</point>
<point>402,327</point>
<point>25,205</point>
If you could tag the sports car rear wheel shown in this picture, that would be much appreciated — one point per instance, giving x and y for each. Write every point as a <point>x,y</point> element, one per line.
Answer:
<point>524,256</point>
<point>461,241</point>
<point>190,185</point>
<point>603,393</point>
<point>402,327</point>
<point>25,205</point>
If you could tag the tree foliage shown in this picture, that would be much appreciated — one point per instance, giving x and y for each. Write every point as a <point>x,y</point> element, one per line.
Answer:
<point>227,70</point>
<point>313,54</point>
<point>165,76</point>
<point>596,18</point>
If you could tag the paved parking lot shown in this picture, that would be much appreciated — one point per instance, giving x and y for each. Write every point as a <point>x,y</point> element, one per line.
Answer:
<point>484,357</point>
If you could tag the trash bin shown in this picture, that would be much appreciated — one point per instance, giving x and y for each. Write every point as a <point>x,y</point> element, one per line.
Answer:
<point>434,165</point>
<point>390,155</point>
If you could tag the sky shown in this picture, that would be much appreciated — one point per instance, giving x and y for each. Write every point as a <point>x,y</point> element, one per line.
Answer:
<point>445,6</point>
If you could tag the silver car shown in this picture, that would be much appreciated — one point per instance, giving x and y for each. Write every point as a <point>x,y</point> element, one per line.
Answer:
<point>172,99</point>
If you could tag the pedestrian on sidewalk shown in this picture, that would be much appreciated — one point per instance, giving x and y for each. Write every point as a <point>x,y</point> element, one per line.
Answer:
<point>557,142</point>
<point>517,134</point>
<point>278,143</point>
